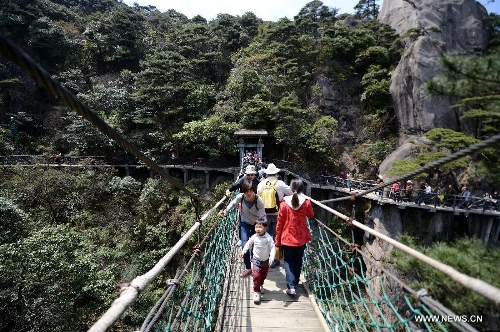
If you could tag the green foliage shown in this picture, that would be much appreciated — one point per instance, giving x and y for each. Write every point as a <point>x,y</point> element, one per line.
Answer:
<point>367,9</point>
<point>468,256</point>
<point>84,139</point>
<point>376,84</point>
<point>404,166</point>
<point>245,84</point>
<point>212,137</point>
<point>126,186</point>
<point>429,157</point>
<point>86,232</point>
<point>46,272</point>
<point>370,155</point>
<point>12,221</point>
<point>442,139</point>
<point>48,41</point>
<point>114,101</point>
<point>175,70</point>
<point>295,133</point>
<point>315,11</point>
<point>474,83</point>
<point>486,170</point>
<point>375,56</point>
<point>156,200</point>
<point>450,139</point>
<point>320,139</point>
<point>164,80</point>
<point>256,113</point>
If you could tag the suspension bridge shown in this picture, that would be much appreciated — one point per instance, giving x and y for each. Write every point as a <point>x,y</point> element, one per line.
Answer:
<point>337,294</point>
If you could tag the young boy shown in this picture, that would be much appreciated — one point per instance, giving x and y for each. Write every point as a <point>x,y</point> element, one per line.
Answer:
<point>263,256</point>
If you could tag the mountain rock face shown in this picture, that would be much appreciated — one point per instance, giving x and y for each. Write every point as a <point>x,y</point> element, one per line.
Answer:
<point>437,27</point>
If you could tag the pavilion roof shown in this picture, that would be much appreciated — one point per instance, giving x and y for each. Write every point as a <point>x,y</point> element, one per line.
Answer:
<point>251,132</point>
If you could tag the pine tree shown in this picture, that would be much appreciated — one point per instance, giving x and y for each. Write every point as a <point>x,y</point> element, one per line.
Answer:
<point>366,9</point>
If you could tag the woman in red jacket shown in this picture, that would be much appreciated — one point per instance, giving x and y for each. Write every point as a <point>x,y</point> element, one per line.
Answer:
<point>292,233</point>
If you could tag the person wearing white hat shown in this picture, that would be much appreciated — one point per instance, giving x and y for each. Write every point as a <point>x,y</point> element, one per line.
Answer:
<point>282,189</point>
<point>409,190</point>
<point>250,176</point>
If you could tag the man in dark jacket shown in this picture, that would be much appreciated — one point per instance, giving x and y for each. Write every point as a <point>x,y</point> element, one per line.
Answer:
<point>250,176</point>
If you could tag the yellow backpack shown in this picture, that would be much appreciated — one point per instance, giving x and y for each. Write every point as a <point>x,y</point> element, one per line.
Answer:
<point>270,197</point>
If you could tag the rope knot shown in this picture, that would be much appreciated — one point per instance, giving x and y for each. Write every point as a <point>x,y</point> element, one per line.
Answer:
<point>171,282</point>
<point>422,292</point>
<point>197,250</point>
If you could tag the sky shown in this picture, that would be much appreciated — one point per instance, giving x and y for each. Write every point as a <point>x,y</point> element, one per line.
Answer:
<point>268,10</point>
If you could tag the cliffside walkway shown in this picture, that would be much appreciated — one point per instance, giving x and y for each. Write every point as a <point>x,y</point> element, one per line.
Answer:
<point>449,202</point>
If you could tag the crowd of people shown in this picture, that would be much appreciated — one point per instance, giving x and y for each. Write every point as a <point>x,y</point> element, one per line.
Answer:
<point>422,194</point>
<point>251,158</point>
<point>441,196</point>
<point>270,225</point>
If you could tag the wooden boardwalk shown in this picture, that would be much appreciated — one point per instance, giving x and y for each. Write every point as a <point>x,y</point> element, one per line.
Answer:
<point>276,311</point>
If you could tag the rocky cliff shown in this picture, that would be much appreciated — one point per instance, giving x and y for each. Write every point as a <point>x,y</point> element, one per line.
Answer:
<point>433,28</point>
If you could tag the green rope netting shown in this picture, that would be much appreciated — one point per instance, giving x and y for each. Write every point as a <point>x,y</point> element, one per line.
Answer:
<point>194,305</point>
<point>348,299</point>
<point>334,274</point>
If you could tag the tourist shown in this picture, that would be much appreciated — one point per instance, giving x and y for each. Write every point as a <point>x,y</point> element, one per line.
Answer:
<point>465,196</point>
<point>251,208</point>
<point>449,197</point>
<point>263,251</point>
<point>380,192</point>
<point>250,176</point>
<point>395,192</point>
<point>292,233</point>
<point>348,180</point>
<point>440,195</point>
<point>409,190</point>
<point>421,193</point>
<point>282,189</point>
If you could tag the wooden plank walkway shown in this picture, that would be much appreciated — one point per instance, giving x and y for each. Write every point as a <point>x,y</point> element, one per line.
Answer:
<point>276,311</point>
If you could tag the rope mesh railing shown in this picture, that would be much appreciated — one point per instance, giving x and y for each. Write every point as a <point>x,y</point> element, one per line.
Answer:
<point>334,271</point>
<point>347,298</point>
<point>193,303</point>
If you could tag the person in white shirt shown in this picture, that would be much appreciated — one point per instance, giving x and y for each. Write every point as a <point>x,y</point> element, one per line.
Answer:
<point>428,189</point>
<point>263,255</point>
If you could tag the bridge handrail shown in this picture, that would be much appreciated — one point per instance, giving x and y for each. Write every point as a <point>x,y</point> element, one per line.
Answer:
<point>321,277</point>
<point>165,306</point>
<point>130,293</point>
<point>480,287</point>
<point>452,201</point>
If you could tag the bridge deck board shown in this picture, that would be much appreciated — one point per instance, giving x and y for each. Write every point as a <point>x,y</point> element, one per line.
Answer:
<point>276,311</point>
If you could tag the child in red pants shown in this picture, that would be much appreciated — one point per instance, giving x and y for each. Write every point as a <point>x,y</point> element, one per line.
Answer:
<point>263,256</point>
